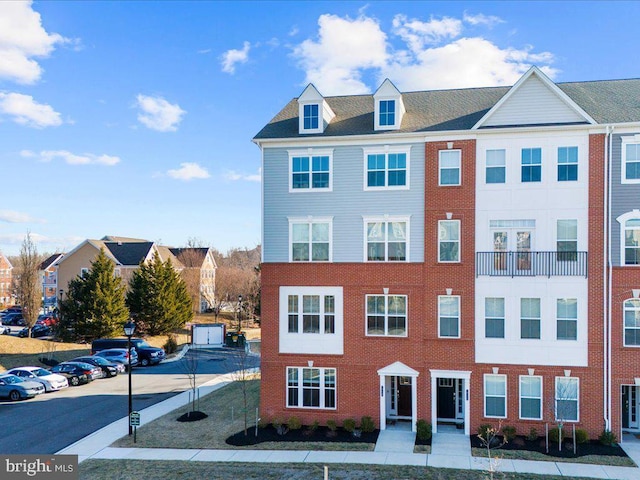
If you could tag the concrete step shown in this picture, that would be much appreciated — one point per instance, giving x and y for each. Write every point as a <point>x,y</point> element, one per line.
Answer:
<point>395,441</point>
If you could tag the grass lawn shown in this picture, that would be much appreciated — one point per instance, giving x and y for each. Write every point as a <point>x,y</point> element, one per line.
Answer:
<point>20,352</point>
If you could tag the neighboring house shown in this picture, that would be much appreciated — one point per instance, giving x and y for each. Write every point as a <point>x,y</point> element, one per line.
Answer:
<point>6,277</point>
<point>48,271</point>
<point>441,255</point>
<point>200,271</point>
<point>127,254</point>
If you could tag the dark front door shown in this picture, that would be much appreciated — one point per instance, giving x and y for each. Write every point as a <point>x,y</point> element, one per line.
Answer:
<point>446,398</point>
<point>404,396</point>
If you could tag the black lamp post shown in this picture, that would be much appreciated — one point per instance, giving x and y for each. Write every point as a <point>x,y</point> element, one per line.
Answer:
<point>129,328</point>
<point>239,313</point>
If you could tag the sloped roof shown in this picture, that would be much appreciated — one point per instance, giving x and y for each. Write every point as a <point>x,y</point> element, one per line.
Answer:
<point>129,253</point>
<point>49,260</point>
<point>113,238</point>
<point>196,256</point>
<point>606,101</point>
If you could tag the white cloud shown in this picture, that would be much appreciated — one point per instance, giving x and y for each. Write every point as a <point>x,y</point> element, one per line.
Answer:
<point>72,158</point>
<point>189,171</point>
<point>235,176</point>
<point>344,48</point>
<point>158,114</point>
<point>10,216</point>
<point>22,38</point>
<point>231,57</point>
<point>418,55</point>
<point>24,110</point>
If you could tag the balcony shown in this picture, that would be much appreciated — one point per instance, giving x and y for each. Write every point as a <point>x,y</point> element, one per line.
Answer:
<point>531,264</point>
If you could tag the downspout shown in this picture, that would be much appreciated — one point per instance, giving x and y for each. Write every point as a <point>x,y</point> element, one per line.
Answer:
<point>607,276</point>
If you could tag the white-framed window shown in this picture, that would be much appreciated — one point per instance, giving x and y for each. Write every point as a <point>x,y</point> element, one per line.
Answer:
<point>311,314</point>
<point>494,317</point>
<point>386,238</point>
<point>631,310</point>
<point>530,318</point>
<point>386,168</point>
<point>449,167</point>
<point>496,166</point>
<point>567,164</point>
<point>567,405</point>
<point>495,396</point>
<point>387,315</point>
<point>449,316</point>
<point>84,271</point>
<point>531,166</point>
<point>116,272</point>
<point>567,318</point>
<point>311,116</point>
<point>310,239</point>
<point>531,397</point>
<point>309,387</point>
<point>387,113</point>
<point>310,170</point>
<point>631,159</point>
<point>632,241</point>
<point>448,241</point>
<point>567,240</point>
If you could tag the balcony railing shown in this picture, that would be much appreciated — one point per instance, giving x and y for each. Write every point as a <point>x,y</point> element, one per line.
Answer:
<point>531,264</point>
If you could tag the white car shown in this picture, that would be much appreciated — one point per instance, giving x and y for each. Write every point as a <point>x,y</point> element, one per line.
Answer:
<point>52,381</point>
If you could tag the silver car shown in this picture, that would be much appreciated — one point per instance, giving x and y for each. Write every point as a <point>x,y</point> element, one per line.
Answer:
<point>14,388</point>
<point>52,381</point>
<point>119,355</point>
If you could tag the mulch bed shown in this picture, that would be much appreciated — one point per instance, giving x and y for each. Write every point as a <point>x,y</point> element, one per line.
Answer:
<point>593,447</point>
<point>321,434</point>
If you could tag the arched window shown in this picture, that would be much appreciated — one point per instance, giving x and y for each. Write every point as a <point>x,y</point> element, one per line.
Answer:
<point>630,238</point>
<point>632,322</point>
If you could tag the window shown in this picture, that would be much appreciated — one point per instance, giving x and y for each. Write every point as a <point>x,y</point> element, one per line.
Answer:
<point>530,318</point>
<point>449,316</point>
<point>310,240</point>
<point>448,240</point>
<point>311,314</point>
<point>567,392</point>
<point>630,162</point>
<point>387,169</point>
<point>495,396</point>
<point>387,315</point>
<point>531,165</point>
<point>567,318</point>
<point>632,322</point>
<point>310,170</point>
<point>449,167</point>
<point>311,117</point>
<point>387,113</point>
<point>84,271</point>
<point>632,241</point>
<point>311,387</point>
<point>386,239</point>
<point>494,317</point>
<point>496,166</point>
<point>567,164</point>
<point>531,397</point>
<point>567,240</point>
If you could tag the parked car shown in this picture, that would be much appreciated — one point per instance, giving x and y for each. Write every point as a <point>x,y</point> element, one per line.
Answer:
<point>12,309</point>
<point>15,388</point>
<point>51,381</point>
<point>109,368</point>
<point>14,319</point>
<point>119,355</point>
<point>147,355</point>
<point>36,331</point>
<point>77,373</point>
<point>47,320</point>
<point>5,330</point>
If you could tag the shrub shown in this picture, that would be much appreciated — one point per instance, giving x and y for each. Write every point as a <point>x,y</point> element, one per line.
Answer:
<point>294,423</point>
<point>314,426</point>
<point>424,430</point>
<point>581,436</point>
<point>554,434</point>
<point>607,437</point>
<point>349,425</point>
<point>332,425</point>
<point>367,425</point>
<point>171,345</point>
<point>533,435</point>
<point>509,432</point>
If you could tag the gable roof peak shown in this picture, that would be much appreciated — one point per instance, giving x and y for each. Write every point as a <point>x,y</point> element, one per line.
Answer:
<point>387,88</point>
<point>310,93</point>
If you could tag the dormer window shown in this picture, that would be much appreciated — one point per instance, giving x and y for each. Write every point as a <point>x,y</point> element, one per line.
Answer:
<point>311,117</point>
<point>389,107</point>
<point>387,113</point>
<point>314,113</point>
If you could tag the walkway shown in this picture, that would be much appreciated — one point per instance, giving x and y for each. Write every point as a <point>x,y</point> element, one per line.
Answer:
<point>450,449</point>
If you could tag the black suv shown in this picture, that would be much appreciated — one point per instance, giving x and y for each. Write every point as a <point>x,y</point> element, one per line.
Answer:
<point>147,355</point>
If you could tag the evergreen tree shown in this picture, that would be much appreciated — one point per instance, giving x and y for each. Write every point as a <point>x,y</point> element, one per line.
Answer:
<point>158,298</point>
<point>95,303</point>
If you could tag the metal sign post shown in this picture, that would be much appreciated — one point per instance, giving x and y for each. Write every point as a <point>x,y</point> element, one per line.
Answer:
<point>134,421</point>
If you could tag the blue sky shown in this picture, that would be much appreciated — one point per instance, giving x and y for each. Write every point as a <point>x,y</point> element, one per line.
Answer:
<point>136,118</point>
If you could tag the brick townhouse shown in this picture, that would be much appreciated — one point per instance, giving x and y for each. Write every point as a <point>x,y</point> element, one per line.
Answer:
<point>462,256</point>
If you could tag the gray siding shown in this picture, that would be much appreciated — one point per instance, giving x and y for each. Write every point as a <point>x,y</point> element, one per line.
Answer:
<point>624,197</point>
<point>347,203</point>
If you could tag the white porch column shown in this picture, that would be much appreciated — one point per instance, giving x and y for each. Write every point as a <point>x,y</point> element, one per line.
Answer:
<point>414,403</point>
<point>434,404</point>
<point>467,404</point>
<point>383,404</point>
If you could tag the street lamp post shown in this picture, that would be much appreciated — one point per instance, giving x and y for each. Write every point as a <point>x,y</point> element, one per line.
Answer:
<point>239,313</point>
<point>129,328</point>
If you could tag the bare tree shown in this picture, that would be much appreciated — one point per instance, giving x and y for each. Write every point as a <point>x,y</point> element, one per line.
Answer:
<point>492,440</point>
<point>191,258</point>
<point>189,365</point>
<point>28,287</point>
<point>242,369</point>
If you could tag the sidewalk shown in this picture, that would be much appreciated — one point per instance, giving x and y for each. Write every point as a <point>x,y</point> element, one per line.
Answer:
<point>388,452</point>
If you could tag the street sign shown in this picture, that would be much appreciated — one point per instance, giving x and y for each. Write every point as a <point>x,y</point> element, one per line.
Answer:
<point>134,419</point>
